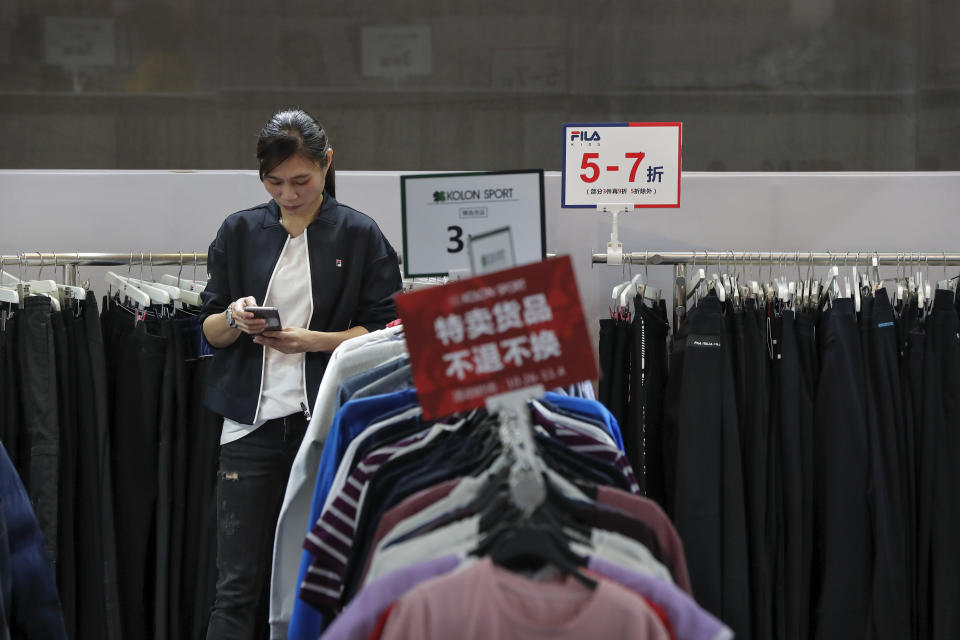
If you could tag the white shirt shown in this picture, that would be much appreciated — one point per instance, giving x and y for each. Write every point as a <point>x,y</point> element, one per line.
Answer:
<point>282,384</point>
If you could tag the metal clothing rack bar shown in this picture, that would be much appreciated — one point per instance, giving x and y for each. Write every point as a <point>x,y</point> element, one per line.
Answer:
<point>680,259</point>
<point>816,258</point>
<point>74,259</point>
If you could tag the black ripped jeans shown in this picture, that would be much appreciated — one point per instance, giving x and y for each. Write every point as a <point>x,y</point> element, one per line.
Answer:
<point>250,485</point>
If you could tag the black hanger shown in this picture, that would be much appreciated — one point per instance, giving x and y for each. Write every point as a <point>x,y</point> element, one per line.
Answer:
<point>530,546</point>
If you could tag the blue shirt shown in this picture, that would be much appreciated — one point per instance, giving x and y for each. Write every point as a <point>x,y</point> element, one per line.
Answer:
<point>352,418</point>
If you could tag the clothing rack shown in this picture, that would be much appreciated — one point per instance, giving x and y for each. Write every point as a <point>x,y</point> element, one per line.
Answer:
<point>70,261</point>
<point>784,259</point>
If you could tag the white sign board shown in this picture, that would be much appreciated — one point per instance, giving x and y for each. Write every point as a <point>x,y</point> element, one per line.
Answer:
<point>396,52</point>
<point>79,42</point>
<point>633,164</point>
<point>441,211</point>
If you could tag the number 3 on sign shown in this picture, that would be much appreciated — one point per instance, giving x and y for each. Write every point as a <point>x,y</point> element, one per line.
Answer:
<point>456,235</point>
<point>594,168</point>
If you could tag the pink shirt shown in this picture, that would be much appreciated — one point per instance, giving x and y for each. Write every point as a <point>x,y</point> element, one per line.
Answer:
<point>484,601</point>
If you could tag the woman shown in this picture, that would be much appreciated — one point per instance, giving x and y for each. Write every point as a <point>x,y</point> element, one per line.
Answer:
<point>332,275</point>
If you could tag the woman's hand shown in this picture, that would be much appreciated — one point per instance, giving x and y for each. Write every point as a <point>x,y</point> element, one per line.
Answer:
<point>246,322</point>
<point>291,340</point>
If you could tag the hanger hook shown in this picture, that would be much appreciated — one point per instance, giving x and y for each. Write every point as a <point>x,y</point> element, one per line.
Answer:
<point>152,276</point>
<point>141,265</point>
<point>944,265</point>
<point>646,266</point>
<point>130,264</point>
<point>194,265</point>
<point>180,272</point>
<point>40,273</point>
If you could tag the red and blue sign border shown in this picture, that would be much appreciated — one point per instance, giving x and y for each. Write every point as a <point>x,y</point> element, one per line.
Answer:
<point>563,167</point>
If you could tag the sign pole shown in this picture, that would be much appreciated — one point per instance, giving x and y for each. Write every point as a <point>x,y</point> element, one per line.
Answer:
<point>615,247</point>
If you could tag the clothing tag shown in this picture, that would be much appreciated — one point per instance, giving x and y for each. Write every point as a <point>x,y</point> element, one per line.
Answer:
<point>339,262</point>
<point>701,341</point>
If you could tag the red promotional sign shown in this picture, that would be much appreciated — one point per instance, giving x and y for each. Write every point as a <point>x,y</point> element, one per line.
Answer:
<point>496,333</point>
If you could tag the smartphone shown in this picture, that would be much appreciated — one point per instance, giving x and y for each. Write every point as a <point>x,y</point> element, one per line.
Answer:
<point>270,314</point>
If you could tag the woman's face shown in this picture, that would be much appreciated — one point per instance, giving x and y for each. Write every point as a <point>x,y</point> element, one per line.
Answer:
<point>297,184</point>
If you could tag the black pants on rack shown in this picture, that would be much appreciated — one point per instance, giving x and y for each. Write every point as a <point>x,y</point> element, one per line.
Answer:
<point>9,393</point>
<point>790,602</point>
<point>138,361</point>
<point>752,393</point>
<point>67,414</point>
<point>199,576</point>
<point>643,433</point>
<point>39,435</point>
<point>91,578</point>
<point>842,541</point>
<point>892,590</point>
<point>250,486</point>
<point>608,338</point>
<point>704,471</point>
<point>97,428</point>
<point>940,500</point>
<point>180,446</point>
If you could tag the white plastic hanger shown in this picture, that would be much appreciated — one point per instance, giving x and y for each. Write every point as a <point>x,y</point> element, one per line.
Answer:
<point>856,290</point>
<point>699,279</point>
<point>720,289</point>
<point>127,288</point>
<point>173,293</point>
<point>633,288</point>
<point>184,285</point>
<point>9,295</point>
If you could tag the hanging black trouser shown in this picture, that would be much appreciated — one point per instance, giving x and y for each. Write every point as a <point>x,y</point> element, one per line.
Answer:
<point>95,416</point>
<point>842,540</point>
<point>892,588</point>
<point>620,379</point>
<point>250,485</point>
<point>138,361</point>
<point>791,604</point>
<point>164,479</point>
<point>642,435</point>
<point>940,500</point>
<point>39,436</point>
<point>90,579</point>
<point>67,498</point>
<point>704,472</point>
<point>9,393</point>
<point>752,393</point>
<point>200,554</point>
<point>809,360</point>
<point>608,338</point>
<point>178,484</point>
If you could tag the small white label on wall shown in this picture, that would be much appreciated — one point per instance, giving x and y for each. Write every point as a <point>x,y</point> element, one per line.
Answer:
<point>396,52</point>
<point>79,42</point>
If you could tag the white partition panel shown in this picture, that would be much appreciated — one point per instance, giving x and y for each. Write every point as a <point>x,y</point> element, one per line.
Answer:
<point>163,211</point>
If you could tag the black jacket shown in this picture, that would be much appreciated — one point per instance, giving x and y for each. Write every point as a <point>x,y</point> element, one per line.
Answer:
<point>354,273</point>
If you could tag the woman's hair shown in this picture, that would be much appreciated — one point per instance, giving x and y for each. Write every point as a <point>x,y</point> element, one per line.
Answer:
<point>290,132</point>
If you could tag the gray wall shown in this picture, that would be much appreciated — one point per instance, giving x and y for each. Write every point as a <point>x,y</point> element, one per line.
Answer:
<point>772,85</point>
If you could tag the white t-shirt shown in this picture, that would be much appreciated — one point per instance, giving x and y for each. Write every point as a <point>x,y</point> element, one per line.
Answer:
<point>282,384</point>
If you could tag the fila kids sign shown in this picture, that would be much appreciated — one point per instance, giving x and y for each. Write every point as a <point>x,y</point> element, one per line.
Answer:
<point>633,164</point>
